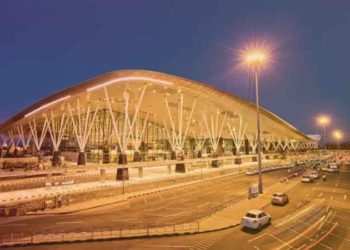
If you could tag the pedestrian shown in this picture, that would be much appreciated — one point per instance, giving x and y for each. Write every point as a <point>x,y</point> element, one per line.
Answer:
<point>59,200</point>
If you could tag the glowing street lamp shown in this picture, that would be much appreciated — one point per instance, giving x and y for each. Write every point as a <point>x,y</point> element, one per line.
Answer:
<point>324,121</point>
<point>255,59</point>
<point>338,136</point>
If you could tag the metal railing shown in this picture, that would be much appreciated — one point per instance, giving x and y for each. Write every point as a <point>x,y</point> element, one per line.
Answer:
<point>55,236</point>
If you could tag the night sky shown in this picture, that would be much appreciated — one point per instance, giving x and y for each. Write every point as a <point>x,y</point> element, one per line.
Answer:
<point>46,46</point>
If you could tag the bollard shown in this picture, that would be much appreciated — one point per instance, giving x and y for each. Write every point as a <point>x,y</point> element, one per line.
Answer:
<point>169,169</point>
<point>140,170</point>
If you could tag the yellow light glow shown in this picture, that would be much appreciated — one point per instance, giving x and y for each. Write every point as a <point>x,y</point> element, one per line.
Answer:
<point>256,54</point>
<point>255,57</point>
<point>338,135</point>
<point>323,120</point>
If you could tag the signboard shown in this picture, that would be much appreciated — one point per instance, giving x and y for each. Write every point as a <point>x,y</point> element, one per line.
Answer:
<point>253,191</point>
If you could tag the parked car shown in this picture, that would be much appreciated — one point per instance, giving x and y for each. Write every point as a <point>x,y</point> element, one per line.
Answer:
<point>333,170</point>
<point>333,165</point>
<point>279,199</point>
<point>298,163</point>
<point>324,169</point>
<point>256,219</point>
<point>315,175</point>
<point>307,179</point>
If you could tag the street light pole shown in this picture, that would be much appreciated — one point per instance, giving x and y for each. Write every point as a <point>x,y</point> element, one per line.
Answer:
<point>323,121</point>
<point>324,136</point>
<point>258,127</point>
<point>255,59</point>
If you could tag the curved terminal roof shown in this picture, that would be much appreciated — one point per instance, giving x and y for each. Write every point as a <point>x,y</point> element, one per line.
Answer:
<point>209,101</point>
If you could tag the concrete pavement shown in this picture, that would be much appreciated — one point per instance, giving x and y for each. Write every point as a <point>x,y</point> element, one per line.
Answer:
<point>301,196</point>
<point>20,196</point>
<point>217,221</point>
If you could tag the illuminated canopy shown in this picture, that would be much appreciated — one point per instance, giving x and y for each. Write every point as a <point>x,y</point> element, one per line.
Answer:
<point>160,86</point>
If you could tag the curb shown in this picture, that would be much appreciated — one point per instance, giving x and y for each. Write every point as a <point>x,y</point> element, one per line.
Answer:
<point>123,238</point>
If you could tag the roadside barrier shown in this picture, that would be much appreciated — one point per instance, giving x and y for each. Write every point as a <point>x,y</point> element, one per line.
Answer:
<point>255,170</point>
<point>59,236</point>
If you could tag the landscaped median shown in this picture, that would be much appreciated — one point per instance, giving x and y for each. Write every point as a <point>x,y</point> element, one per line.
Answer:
<point>224,218</point>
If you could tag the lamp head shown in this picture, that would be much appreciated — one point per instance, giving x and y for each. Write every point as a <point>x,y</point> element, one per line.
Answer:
<point>256,57</point>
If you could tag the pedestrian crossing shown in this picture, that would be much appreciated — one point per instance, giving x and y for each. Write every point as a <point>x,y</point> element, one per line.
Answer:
<point>210,240</point>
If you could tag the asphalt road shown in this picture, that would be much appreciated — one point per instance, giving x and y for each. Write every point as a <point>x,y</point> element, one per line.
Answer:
<point>162,208</point>
<point>317,216</point>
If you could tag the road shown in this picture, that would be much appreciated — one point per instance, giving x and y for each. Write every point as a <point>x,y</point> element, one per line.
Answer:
<point>162,208</point>
<point>318,215</point>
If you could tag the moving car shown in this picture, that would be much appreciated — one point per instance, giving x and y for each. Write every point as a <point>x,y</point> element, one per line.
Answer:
<point>307,179</point>
<point>333,170</point>
<point>256,219</point>
<point>315,175</point>
<point>333,167</point>
<point>279,199</point>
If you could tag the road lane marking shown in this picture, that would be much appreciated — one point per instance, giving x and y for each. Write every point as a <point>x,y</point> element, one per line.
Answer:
<point>167,246</point>
<point>119,220</point>
<point>339,237</point>
<point>183,212</point>
<point>289,218</point>
<point>345,196</point>
<point>15,225</point>
<point>256,248</point>
<point>281,241</point>
<point>301,247</point>
<point>69,222</point>
<point>302,234</point>
<point>154,215</point>
<point>320,194</point>
<point>160,196</point>
<point>256,238</point>
<point>324,236</point>
<point>204,204</point>
<point>331,198</point>
<point>156,209</point>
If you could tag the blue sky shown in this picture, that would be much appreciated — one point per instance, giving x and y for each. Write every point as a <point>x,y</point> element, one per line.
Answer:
<point>46,46</point>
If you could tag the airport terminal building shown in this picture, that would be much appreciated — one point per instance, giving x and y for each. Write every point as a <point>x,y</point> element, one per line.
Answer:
<point>137,116</point>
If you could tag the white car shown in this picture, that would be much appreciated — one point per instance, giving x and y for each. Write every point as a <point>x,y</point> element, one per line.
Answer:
<point>256,219</point>
<point>307,179</point>
<point>333,165</point>
<point>279,199</point>
<point>333,170</point>
<point>324,169</point>
<point>315,175</point>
